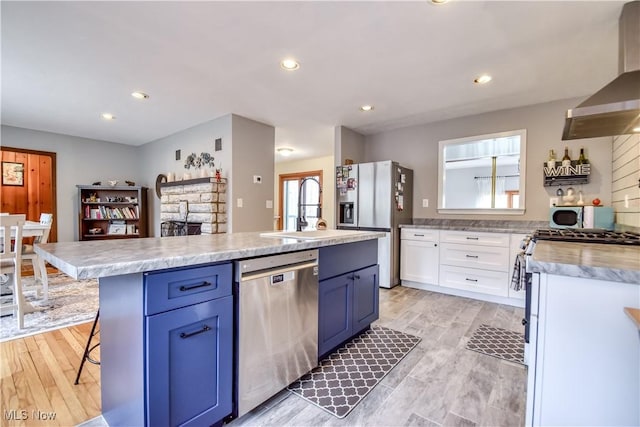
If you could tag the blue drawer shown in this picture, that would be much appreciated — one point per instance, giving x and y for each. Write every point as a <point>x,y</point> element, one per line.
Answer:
<point>171,289</point>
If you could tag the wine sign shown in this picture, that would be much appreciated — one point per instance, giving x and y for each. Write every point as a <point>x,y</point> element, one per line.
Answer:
<point>567,175</point>
<point>574,169</point>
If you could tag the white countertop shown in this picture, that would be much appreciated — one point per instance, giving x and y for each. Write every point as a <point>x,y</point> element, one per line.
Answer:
<point>618,263</point>
<point>103,258</point>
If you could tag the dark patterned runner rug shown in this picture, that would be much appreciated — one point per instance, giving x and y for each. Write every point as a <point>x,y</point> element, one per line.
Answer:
<point>346,376</point>
<point>498,342</point>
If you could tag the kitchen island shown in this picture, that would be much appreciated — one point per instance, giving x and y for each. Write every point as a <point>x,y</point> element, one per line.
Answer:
<point>584,353</point>
<point>167,315</point>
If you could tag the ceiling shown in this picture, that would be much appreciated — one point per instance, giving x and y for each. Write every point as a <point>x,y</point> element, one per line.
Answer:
<point>65,63</point>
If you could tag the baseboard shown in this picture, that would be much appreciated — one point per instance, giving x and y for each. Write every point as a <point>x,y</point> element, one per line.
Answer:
<point>514,302</point>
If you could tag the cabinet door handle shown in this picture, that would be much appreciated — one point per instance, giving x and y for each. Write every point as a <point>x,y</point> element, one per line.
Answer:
<point>357,276</point>
<point>471,256</point>
<point>201,285</point>
<point>205,328</point>
<point>471,280</point>
<point>419,235</point>
<point>472,238</point>
<point>524,322</point>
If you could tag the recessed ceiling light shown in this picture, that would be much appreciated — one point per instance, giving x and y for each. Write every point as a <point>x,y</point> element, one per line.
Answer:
<point>439,1</point>
<point>108,116</point>
<point>139,95</point>
<point>485,78</point>
<point>285,151</point>
<point>290,64</point>
<point>366,108</point>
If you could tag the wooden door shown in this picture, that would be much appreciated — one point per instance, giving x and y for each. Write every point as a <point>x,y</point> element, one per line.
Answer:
<point>31,189</point>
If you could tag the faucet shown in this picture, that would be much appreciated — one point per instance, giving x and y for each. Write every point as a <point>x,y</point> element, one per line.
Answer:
<point>301,221</point>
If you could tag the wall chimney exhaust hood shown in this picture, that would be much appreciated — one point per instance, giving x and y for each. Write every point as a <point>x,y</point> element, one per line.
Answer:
<point>614,109</point>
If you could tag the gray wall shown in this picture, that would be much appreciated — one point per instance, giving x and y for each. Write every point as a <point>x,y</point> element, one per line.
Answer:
<point>253,147</point>
<point>78,161</point>
<point>416,147</point>
<point>158,157</point>
<point>348,144</point>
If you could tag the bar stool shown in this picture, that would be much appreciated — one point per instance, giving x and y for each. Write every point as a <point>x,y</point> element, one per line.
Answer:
<point>86,357</point>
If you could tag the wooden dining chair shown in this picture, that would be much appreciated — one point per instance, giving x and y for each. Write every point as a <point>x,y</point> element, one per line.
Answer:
<point>40,282</point>
<point>11,263</point>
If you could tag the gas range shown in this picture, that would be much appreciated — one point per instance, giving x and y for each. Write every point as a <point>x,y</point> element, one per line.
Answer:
<point>585,235</point>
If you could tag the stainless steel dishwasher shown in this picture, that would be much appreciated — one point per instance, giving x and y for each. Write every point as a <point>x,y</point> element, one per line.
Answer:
<point>277,324</point>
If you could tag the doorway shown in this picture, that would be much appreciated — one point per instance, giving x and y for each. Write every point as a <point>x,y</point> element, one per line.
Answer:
<point>310,194</point>
<point>32,189</point>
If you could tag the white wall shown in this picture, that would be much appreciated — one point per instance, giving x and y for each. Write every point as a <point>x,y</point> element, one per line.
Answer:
<point>253,148</point>
<point>79,161</point>
<point>158,157</point>
<point>416,147</point>
<point>626,179</point>
<point>326,164</point>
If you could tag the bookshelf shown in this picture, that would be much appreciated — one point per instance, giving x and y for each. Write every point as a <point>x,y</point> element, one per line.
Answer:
<point>107,212</point>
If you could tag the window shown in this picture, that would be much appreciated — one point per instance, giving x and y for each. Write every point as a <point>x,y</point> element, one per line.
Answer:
<point>482,174</point>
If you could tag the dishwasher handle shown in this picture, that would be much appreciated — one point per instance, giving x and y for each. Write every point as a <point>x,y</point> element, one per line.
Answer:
<point>284,269</point>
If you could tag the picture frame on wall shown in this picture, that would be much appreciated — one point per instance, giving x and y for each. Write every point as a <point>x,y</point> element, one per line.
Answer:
<point>13,173</point>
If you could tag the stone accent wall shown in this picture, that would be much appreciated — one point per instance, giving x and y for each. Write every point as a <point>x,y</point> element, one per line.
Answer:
<point>206,203</point>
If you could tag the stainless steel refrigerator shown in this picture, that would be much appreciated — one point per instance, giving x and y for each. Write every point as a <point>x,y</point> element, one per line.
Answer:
<point>376,196</point>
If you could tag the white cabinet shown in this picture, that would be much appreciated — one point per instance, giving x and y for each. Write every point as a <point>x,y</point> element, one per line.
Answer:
<point>585,366</point>
<point>475,238</point>
<point>466,263</point>
<point>419,257</point>
<point>474,280</point>
<point>476,262</point>
<point>485,257</point>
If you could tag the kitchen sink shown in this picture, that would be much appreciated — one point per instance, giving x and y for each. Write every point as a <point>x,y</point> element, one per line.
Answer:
<point>311,234</point>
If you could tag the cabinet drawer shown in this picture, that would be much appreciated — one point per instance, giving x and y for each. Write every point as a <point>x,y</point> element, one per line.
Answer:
<point>172,289</point>
<point>419,234</point>
<point>475,238</point>
<point>474,280</point>
<point>485,257</point>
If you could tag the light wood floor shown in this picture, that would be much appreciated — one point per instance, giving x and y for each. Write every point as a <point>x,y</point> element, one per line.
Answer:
<point>37,375</point>
<point>438,383</point>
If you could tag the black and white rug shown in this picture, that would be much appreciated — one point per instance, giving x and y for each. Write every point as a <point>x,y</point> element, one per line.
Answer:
<point>498,342</point>
<point>346,376</point>
<point>70,302</point>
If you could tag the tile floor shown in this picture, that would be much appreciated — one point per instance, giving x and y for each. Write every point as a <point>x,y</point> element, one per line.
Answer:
<point>439,383</point>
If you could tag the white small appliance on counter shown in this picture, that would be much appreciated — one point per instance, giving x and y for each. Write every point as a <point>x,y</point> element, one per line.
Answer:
<point>599,217</point>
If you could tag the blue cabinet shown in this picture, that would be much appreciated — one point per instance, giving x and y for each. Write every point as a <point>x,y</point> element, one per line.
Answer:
<point>335,312</point>
<point>365,297</point>
<point>189,348</point>
<point>347,305</point>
